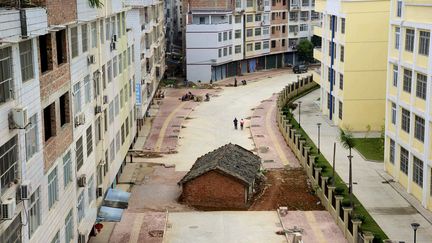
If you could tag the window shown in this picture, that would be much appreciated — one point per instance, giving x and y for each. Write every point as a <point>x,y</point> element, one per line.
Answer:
<point>112,150</point>
<point>303,27</point>
<point>343,25</point>
<point>419,128</point>
<point>52,188</point>
<point>273,44</point>
<point>265,45</point>
<point>230,35</point>
<point>84,37</point>
<point>404,156</point>
<point>91,190</point>
<point>409,40</point>
<point>49,121</point>
<point>34,214</point>
<point>101,31</point>
<point>119,29</point>
<point>45,53</point>
<point>257,31</point>
<point>421,86</point>
<point>67,169</point>
<point>116,105</point>
<point>395,75</point>
<point>111,112</point>
<point>237,34</point>
<point>121,99</point>
<point>283,28</point>
<point>31,137</point>
<point>89,140</point>
<point>225,36</point>
<point>77,98</point>
<point>96,86</point>
<point>64,109</point>
<point>109,72</point>
<point>249,47</point>
<point>80,206</point>
<point>340,110</point>
<point>405,120</point>
<point>98,129</point>
<point>87,89</point>
<point>265,30</point>
<point>418,171</point>
<point>392,151</point>
<point>257,46</point>
<point>249,3</point>
<point>118,141</point>
<point>225,51</point>
<point>9,159</point>
<point>249,18</point>
<point>56,238</point>
<point>6,85</point>
<point>237,19</point>
<point>202,20</point>
<point>341,77</point>
<point>424,43</point>
<point>393,113</point>
<point>399,8</point>
<point>115,67</point>
<point>120,62</point>
<point>26,58</point>
<point>283,42</point>
<point>407,80</point>
<point>122,134</point>
<point>219,37</point>
<point>249,32</point>
<point>61,47</point>
<point>69,227</point>
<point>105,120</point>
<point>237,49</point>
<point>397,38</point>
<point>230,50</point>
<point>79,153</point>
<point>257,17</point>
<point>342,50</point>
<point>94,34</point>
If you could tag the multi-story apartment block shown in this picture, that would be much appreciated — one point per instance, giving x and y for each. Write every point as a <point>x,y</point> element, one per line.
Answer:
<point>146,20</point>
<point>228,38</point>
<point>352,83</point>
<point>408,154</point>
<point>68,111</point>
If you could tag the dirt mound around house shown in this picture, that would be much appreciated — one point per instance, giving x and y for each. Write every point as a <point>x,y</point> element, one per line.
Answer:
<point>286,188</point>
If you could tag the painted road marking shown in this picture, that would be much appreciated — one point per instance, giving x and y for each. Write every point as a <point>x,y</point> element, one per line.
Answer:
<point>165,126</point>
<point>273,138</point>
<point>310,217</point>
<point>136,228</point>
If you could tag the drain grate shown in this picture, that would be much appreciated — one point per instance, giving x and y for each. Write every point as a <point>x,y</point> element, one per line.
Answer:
<point>256,116</point>
<point>172,136</point>
<point>180,117</point>
<point>176,130</point>
<point>175,126</point>
<point>268,161</point>
<point>259,136</point>
<point>255,125</point>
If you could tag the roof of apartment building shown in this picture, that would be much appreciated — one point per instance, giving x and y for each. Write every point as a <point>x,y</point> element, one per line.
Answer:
<point>230,159</point>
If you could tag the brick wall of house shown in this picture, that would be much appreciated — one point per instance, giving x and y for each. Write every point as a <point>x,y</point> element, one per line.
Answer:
<point>205,4</point>
<point>59,11</point>
<point>214,189</point>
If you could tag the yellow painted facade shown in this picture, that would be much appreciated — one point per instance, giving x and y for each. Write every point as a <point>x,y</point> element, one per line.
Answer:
<point>357,97</point>
<point>409,103</point>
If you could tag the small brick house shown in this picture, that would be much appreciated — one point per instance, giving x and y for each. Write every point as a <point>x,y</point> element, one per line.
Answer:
<point>223,178</point>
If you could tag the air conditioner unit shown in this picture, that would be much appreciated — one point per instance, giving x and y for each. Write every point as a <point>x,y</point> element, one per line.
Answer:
<point>114,38</point>
<point>79,119</point>
<point>105,99</point>
<point>113,46</point>
<point>81,238</point>
<point>99,191</point>
<point>25,190</point>
<point>98,109</point>
<point>19,118</point>
<point>82,181</point>
<point>91,59</point>
<point>8,208</point>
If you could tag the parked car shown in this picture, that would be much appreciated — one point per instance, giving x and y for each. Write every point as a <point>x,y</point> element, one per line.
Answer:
<point>302,68</point>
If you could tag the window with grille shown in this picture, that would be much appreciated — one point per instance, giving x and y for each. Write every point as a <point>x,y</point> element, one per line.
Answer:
<point>340,109</point>
<point>91,189</point>
<point>424,39</point>
<point>116,105</point>
<point>112,151</point>
<point>80,206</point>
<point>89,140</point>
<point>67,169</point>
<point>393,113</point>
<point>404,158</point>
<point>87,89</point>
<point>9,166</point>
<point>34,212</point>
<point>6,85</point>
<point>405,125</point>
<point>237,34</point>
<point>52,188</point>
<point>343,25</point>
<point>79,153</point>
<point>77,97</point>
<point>407,80</point>
<point>265,45</point>
<point>93,34</point>
<point>392,151</point>
<point>26,59</point>
<point>342,53</point>
<point>257,31</point>
<point>399,9</point>
<point>421,86</point>
<point>31,137</point>
<point>418,171</point>
<point>397,38</point>
<point>115,67</point>
<point>257,46</point>
<point>341,79</point>
<point>409,40</point>
<point>419,128</point>
<point>395,75</point>
<point>69,227</point>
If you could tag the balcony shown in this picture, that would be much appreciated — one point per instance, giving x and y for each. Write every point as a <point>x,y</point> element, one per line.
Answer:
<point>317,53</point>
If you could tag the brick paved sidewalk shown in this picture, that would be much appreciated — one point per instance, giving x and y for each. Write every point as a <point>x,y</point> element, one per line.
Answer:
<point>270,144</point>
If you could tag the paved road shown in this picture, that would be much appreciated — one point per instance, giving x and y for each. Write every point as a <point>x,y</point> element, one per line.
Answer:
<point>210,125</point>
<point>391,211</point>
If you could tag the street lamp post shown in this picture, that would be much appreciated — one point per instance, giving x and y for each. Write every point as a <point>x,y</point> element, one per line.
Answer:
<point>299,104</point>
<point>319,126</point>
<point>415,226</point>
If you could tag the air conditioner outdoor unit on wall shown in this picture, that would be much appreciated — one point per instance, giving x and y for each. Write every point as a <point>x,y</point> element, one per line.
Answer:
<point>8,208</point>
<point>19,118</point>
<point>91,59</point>
<point>114,38</point>
<point>113,46</point>
<point>79,119</point>
<point>99,191</point>
<point>82,181</point>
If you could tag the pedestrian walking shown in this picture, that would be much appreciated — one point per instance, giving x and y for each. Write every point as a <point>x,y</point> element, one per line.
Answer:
<point>235,123</point>
<point>241,124</point>
<point>235,82</point>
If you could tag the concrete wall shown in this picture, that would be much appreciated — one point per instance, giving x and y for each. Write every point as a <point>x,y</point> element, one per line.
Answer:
<point>205,191</point>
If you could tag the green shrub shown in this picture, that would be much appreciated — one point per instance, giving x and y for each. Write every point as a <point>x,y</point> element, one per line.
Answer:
<point>339,190</point>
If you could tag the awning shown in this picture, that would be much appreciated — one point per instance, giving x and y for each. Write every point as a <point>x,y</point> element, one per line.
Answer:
<point>116,198</point>
<point>109,214</point>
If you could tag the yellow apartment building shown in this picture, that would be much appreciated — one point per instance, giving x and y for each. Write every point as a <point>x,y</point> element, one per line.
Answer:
<point>408,104</point>
<point>353,58</point>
